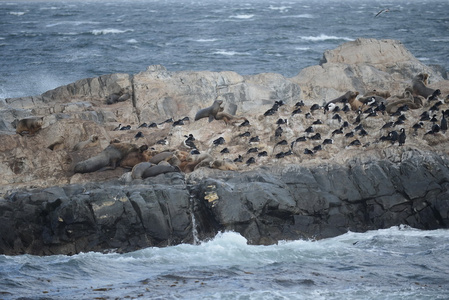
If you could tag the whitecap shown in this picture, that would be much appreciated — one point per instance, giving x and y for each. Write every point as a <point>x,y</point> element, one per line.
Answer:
<point>132,41</point>
<point>229,53</point>
<point>242,16</point>
<point>302,48</point>
<point>280,8</point>
<point>323,37</point>
<point>205,40</point>
<point>109,30</point>
<point>303,16</point>
<point>17,13</point>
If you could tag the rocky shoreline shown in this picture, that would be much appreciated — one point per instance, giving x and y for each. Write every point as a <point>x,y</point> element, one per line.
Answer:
<point>46,208</point>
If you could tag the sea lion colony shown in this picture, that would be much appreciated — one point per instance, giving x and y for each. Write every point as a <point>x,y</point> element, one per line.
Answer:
<point>294,134</point>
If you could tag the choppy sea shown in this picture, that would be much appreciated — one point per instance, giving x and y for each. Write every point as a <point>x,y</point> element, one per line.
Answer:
<point>45,44</point>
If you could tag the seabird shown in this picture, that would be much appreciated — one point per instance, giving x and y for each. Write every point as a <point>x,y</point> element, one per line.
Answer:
<point>219,141</point>
<point>252,150</point>
<point>245,123</point>
<point>139,135</point>
<point>401,138</point>
<point>263,153</point>
<point>254,139</point>
<point>281,121</point>
<point>296,111</point>
<point>142,125</point>
<point>385,10</point>
<point>238,159</point>
<point>225,150</point>
<point>250,160</point>
<point>278,132</point>
<point>245,134</point>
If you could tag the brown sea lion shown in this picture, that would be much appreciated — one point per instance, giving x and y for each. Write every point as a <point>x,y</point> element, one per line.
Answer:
<point>209,112</point>
<point>159,169</point>
<point>133,158</point>
<point>354,102</point>
<point>419,87</point>
<point>204,159</point>
<point>139,169</point>
<point>109,157</point>
<point>407,98</point>
<point>162,156</point>
<point>91,142</point>
<point>228,118</point>
<point>30,125</point>
<point>224,165</point>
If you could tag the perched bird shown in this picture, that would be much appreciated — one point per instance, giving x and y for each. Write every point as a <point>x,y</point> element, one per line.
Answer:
<point>250,161</point>
<point>296,111</point>
<point>349,134</point>
<point>270,112</point>
<point>178,123</point>
<point>314,107</point>
<point>402,136</point>
<point>337,131</point>
<point>387,125</point>
<point>345,124</point>
<point>185,119</point>
<point>315,137</point>
<point>219,141</point>
<point>139,135</point>
<point>301,139</point>
<point>393,136</point>
<point>143,125</point>
<point>252,150</point>
<point>128,127</point>
<point>254,139</point>
<point>244,123</point>
<point>363,132</point>
<point>299,104</point>
<point>355,143</point>
<point>443,124</point>
<point>245,134</point>
<point>417,126</point>
<point>278,132</point>
<point>434,119</point>
<point>307,151</point>
<point>424,116</point>
<point>225,150</point>
<point>167,121</point>
<point>317,148</point>
<point>281,143</point>
<point>281,121</point>
<point>162,142</point>
<point>280,155</point>
<point>263,153</point>
<point>346,108</point>
<point>434,95</point>
<point>239,159</point>
<point>309,129</point>
<point>328,142</point>
<point>336,117</point>
<point>317,122</point>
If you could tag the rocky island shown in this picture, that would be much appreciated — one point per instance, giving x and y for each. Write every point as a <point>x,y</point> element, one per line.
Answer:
<point>119,163</point>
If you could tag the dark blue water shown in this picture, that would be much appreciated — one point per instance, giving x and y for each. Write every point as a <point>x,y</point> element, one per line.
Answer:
<point>47,44</point>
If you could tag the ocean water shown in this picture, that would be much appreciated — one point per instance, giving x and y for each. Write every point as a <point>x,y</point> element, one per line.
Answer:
<point>45,44</point>
<point>395,263</point>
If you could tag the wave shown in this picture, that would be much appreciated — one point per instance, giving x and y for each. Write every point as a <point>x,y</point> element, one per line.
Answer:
<point>280,8</point>
<point>73,23</point>
<point>241,16</point>
<point>109,31</point>
<point>323,37</point>
<point>302,48</point>
<point>304,16</point>
<point>132,41</point>
<point>206,40</point>
<point>229,53</point>
<point>17,13</point>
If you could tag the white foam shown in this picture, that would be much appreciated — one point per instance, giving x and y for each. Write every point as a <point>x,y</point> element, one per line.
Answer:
<point>17,13</point>
<point>280,8</point>
<point>242,16</point>
<point>324,37</point>
<point>132,41</point>
<point>205,40</point>
<point>229,53</point>
<point>302,48</point>
<point>109,31</point>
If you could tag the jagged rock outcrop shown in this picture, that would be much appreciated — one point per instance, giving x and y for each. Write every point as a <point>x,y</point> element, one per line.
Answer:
<point>362,65</point>
<point>264,205</point>
<point>279,191</point>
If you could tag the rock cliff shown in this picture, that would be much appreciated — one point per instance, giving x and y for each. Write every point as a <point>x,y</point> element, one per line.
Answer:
<point>306,174</point>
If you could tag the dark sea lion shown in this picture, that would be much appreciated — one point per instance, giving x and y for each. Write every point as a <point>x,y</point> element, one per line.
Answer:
<point>30,125</point>
<point>159,169</point>
<point>139,169</point>
<point>419,87</point>
<point>161,157</point>
<point>109,157</point>
<point>209,112</point>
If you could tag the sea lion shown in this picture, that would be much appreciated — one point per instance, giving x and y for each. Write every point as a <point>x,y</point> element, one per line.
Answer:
<point>343,98</point>
<point>159,169</point>
<point>162,156</point>
<point>91,142</point>
<point>419,87</point>
<point>30,125</point>
<point>136,157</point>
<point>228,118</point>
<point>383,94</point>
<point>353,102</point>
<point>407,98</point>
<point>139,169</point>
<point>109,157</point>
<point>224,165</point>
<point>209,112</point>
<point>203,159</point>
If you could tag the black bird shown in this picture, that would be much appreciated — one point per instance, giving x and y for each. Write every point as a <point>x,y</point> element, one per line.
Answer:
<point>425,116</point>
<point>346,108</point>
<point>317,148</point>
<point>345,124</point>
<point>167,121</point>
<point>219,141</point>
<point>185,119</point>
<point>398,122</point>
<point>434,119</point>
<point>328,142</point>
<point>307,151</point>
<point>381,107</point>
<point>244,123</point>
<point>357,120</point>
<point>270,112</point>
<point>139,135</point>
<point>443,124</point>
<point>280,155</point>
<point>387,125</point>
<point>178,123</point>
<point>128,127</point>
<point>418,126</point>
<point>250,160</point>
<point>401,138</point>
<point>336,117</point>
<point>349,134</point>
<point>279,103</point>
<point>337,131</point>
<point>309,129</point>
<point>363,132</point>
<point>162,142</point>
<point>117,128</point>
<point>402,117</point>
<point>278,132</point>
<point>254,139</point>
<point>301,139</point>
<point>434,107</point>
<point>369,110</point>
<point>317,122</point>
<point>143,125</point>
<point>238,159</point>
<point>296,111</point>
<point>263,153</point>
<point>195,152</point>
<point>308,116</point>
<point>434,95</point>
<point>436,128</point>
<point>281,143</point>
<point>393,136</point>
<point>358,127</point>
<point>281,121</point>
<point>316,137</point>
<point>252,150</point>
<point>355,143</point>
<point>300,103</point>
<point>314,107</point>
<point>225,150</point>
<point>245,134</point>
<point>152,125</point>
<point>289,152</point>
<point>372,114</point>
